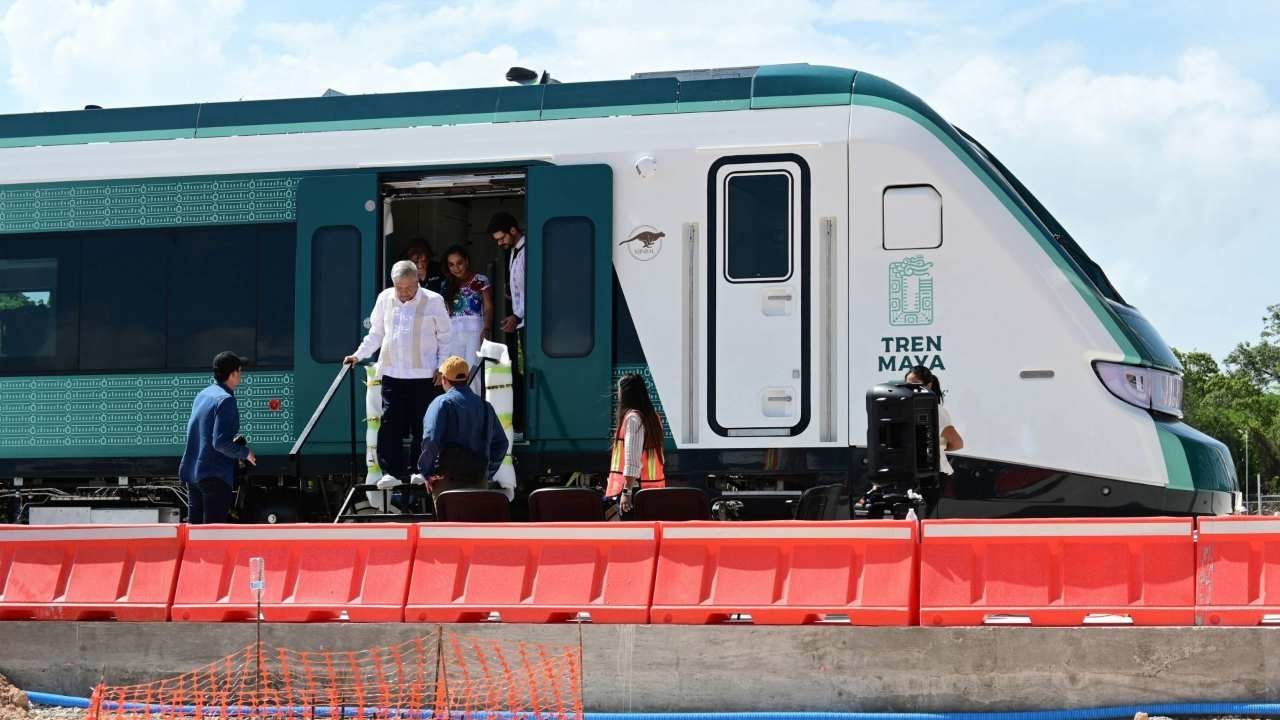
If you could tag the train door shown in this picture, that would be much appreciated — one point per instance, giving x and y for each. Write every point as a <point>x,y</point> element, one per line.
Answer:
<point>336,268</point>
<point>758,296</point>
<point>569,305</point>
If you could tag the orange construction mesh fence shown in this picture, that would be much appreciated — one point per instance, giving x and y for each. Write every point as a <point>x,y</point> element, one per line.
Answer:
<point>447,677</point>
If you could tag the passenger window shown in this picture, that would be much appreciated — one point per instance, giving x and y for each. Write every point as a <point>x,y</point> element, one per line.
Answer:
<point>122,299</point>
<point>276,273</point>
<point>568,282</point>
<point>204,321</point>
<point>912,218</point>
<point>758,222</point>
<point>335,292</point>
<point>28,320</point>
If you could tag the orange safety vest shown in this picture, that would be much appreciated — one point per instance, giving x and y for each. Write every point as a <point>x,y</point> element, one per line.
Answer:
<point>651,471</point>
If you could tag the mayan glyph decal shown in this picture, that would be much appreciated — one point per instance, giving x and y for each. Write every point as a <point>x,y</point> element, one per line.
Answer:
<point>910,292</point>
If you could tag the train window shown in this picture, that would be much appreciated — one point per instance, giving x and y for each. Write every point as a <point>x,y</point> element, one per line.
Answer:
<point>206,318</point>
<point>912,217</point>
<point>335,292</point>
<point>276,272</point>
<point>122,308</point>
<point>758,222</point>
<point>568,283</point>
<point>28,293</point>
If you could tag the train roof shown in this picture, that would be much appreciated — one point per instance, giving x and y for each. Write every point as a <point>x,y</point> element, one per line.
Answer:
<point>769,86</point>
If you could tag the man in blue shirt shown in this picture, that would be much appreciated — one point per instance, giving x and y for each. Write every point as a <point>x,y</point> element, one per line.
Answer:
<point>462,441</point>
<point>208,467</point>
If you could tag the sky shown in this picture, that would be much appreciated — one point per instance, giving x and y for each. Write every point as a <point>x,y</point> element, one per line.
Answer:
<point>1151,130</point>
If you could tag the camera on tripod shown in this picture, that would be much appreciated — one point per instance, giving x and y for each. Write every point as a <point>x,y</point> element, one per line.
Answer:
<point>902,451</point>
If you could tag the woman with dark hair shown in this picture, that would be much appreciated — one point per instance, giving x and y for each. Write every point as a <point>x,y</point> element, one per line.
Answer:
<point>469,297</point>
<point>950,437</point>
<point>637,460</point>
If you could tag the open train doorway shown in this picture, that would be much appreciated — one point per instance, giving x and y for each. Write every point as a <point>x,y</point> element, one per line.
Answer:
<point>564,360</point>
<point>446,216</point>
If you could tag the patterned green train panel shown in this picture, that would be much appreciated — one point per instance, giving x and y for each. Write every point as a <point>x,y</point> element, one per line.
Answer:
<point>643,370</point>
<point>130,415</point>
<point>150,203</point>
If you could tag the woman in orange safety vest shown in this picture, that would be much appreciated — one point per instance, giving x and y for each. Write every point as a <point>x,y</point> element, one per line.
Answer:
<point>637,458</point>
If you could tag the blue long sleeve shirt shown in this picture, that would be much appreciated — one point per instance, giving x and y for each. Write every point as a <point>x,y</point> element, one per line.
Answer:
<point>460,417</point>
<point>210,453</point>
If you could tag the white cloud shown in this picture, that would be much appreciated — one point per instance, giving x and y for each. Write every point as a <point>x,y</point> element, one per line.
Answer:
<point>1162,177</point>
<point>66,53</point>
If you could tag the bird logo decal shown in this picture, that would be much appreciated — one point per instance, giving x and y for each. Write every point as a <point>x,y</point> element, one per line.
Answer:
<point>644,242</point>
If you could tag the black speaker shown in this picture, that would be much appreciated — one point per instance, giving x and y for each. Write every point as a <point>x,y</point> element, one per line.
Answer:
<point>902,441</point>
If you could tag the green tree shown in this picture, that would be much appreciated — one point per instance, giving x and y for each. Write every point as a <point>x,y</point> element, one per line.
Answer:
<point>1240,398</point>
<point>1260,361</point>
<point>13,300</point>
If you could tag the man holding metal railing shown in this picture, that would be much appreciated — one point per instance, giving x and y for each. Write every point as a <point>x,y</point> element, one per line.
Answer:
<point>409,328</point>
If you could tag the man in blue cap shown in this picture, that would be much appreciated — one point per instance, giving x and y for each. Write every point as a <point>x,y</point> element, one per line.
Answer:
<point>208,467</point>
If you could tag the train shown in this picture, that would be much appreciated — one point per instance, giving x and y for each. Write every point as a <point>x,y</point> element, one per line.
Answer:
<point>762,244</point>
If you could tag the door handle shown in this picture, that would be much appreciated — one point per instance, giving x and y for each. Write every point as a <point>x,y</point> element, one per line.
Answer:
<point>783,298</point>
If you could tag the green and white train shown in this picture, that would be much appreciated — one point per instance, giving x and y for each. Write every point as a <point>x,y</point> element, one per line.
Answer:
<point>764,243</point>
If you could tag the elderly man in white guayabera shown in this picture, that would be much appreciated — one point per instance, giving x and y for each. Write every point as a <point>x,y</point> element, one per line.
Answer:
<point>409,328</point>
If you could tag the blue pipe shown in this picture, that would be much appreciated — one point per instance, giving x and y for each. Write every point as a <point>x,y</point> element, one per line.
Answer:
<point>1120,712</point>
<point>40,698</point>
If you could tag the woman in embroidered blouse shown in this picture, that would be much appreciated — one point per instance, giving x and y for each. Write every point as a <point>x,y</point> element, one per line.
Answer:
<point>469,297</point>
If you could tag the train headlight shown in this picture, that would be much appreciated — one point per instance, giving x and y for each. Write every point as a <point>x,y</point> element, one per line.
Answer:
<point>1147,388</point>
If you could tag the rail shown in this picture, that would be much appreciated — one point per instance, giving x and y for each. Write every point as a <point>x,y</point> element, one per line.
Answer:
<point>295,453</point>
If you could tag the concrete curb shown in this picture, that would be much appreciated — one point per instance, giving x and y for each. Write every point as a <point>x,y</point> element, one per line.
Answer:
<point>669,668</point>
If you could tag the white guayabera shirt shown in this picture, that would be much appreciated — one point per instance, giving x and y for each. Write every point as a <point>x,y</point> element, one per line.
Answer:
<point>413,336</point>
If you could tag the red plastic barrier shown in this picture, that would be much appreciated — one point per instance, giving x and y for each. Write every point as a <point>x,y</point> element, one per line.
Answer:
<point>533,572</point>
<point>313,573</point>
<point>787,573</point>
<point>1238,571</point>
<point>88,572</point>
<point>1138,571</point>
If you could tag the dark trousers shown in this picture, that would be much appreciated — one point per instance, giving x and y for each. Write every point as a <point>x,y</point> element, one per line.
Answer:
<point>518,363</point>
<point>404,403</point>
<point>210,500</point>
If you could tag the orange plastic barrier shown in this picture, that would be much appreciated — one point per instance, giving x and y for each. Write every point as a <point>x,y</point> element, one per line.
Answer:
<point>787,573</point>
<point>533,572</point>
<point>88,572</point>
<point>1238,571</point>
<point>313,573</point>
<point>1138,571</point>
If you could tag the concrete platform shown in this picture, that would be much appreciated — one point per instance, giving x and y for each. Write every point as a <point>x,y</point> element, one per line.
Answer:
<point>735,668</point>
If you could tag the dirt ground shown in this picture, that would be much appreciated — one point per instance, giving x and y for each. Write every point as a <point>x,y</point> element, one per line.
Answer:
<point>13,702</point>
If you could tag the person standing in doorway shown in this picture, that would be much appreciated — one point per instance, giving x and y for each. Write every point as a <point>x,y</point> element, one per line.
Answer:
<point>409,328</point>
<point>505,231</point>
<point>208,466</point>
<point>470,300</point>
<point>429,275</point>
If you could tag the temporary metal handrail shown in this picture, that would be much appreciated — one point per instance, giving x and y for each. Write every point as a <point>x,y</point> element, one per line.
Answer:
<point>295,453</point>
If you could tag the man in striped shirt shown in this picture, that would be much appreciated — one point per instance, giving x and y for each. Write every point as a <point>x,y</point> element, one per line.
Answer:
<point>409,328</point>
